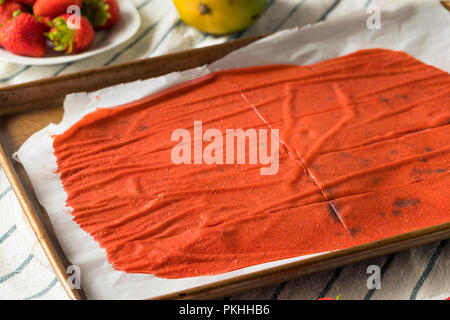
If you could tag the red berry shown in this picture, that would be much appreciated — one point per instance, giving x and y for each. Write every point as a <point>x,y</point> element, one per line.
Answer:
<point>68,38</point>
<point>7,9</point>
<point>103,14</point>
<point>54,8</point>
<point>24,35</point>
<point>114,12</point>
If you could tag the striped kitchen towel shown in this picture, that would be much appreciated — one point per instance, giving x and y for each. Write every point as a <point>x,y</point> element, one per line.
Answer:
<point>420,273</point>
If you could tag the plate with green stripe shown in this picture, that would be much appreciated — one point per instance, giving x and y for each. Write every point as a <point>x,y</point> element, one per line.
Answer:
<point>127,27</point>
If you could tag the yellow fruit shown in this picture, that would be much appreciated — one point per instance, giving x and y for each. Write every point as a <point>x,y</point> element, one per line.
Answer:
<point>220,16</point>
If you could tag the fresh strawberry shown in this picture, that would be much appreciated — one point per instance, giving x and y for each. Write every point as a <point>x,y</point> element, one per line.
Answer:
<point>69,38</point>
<point>103,14</point>
<point>7,9</point>
<point>54,8</point>
<point>23,35</point>
<point>27,2</point>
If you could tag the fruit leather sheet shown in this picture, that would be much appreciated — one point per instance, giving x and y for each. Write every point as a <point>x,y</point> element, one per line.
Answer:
<point>417,28</point>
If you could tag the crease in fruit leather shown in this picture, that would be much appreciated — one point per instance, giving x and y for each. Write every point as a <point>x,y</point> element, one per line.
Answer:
<point>320,42</point>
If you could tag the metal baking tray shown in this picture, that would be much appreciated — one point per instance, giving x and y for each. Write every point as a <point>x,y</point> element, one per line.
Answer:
<point>29,107</point>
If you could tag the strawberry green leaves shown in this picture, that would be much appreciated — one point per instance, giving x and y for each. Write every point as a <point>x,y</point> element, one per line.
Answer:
<point>97,11</point>
<point>61,35</point>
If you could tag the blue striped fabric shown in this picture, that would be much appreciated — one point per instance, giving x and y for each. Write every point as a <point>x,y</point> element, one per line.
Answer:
<point>44,291</point>
<point>429,268</point>
<point>4,193</point>
<point>18,270</point>
<point>330,283</point>
<point>8,233</point>
<point>12,76</point>
<point>289,15</point>
<point>162,32</point>
<point>384,268</point>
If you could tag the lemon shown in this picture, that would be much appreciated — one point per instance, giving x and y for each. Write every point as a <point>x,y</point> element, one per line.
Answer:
<point>220,16</point>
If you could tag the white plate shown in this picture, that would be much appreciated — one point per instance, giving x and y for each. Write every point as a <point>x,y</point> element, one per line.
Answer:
<point>104,40</point>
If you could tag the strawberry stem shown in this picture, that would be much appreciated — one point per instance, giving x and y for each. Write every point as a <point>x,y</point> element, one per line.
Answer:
<point>16,13</point>
<point>97,12</point>
<point>61,35</point>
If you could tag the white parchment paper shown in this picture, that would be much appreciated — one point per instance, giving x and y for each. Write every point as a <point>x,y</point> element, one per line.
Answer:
<point>420,28</point>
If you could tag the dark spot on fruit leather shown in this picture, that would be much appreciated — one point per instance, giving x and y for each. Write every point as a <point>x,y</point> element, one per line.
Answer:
<point>402,202</point>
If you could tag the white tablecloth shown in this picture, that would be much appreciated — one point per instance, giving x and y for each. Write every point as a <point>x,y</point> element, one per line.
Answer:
<point>420,273</point>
